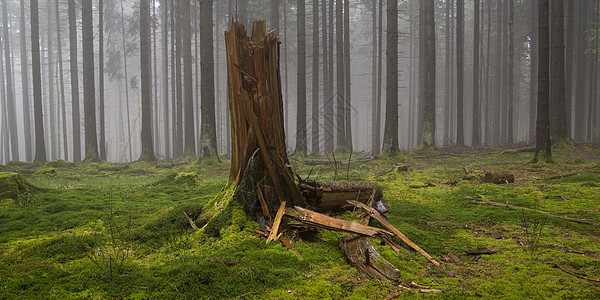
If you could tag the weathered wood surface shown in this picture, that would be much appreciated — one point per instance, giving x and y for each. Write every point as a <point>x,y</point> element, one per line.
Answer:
<point>326,196</point>
<point>364,256</point>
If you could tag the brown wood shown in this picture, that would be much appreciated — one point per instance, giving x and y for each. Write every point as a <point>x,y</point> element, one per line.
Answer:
<point>275,229</point>
<point>383,220</point>
<point>316,219</point>
<point>498,177</point>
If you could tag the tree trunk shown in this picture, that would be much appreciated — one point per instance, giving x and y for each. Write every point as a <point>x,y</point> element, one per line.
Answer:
<point>40,144</point>
<point>315,81</point>
<point>53,128</point>
<point>178,82</point>
<point>511,71</point>
<point>165,69</point>
<point>127,111</point>
<point>447,88</point>
<point>330,98</point>
<point>341,81</point>
<point>102,129</point>
<point>348,77</point>
<point>557,80</point>
<point>10,96</point>
<point>62,83</point>
<point>476,139</point>
<point>580,109</point>
<point>374,128</point>
<point>275,15</point>
<point>190,135</point>
<point>390,134</point>
<point>74,81</point>
<point>569,64</point>
<point>89,93</point>
<point>155,95</point>
<point>146,82</point>
<point>301,139</point>
<point>428,135</point>
<point>208,143</point>
<point>533,73</point>
<point>543,145</point>
<point>327,85</point>
<point>460,71</point>
<point>25,87</point>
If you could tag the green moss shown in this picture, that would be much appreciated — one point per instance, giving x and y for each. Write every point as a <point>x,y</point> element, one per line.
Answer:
<point>46,171</point>
<point>59,163</point>
<point>12,186</point>
<point>183,179</point>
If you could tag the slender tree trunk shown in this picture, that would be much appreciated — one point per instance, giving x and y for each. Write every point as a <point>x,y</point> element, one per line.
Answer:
<point>488,82</point>
<point>543,117</point>
<point>557,80</point>
<point>209,133</point>
<point>165,69</point>
<point>275,15</point>
<point>341,81</point>
<point>146,82</point>
<point>10,96</point>
<point>390,135</point>
<point>421,102</point>
<point>127,111</point>
<point>511,72</point>
<point>533,74</point>
<point>173,81</point>
<point>155,94</point>
<point>329,96</point>
<point>428,135</point>
<point>569,63</point>
<point>476,139</point>
<point>40,144</point>
<point>348,77</point>
<point>102,124</point>
<point>178,82</point>
<point>89,93</point>
<point>460,71</point>
<point>62,83</point>
<point>190,142</point>
<point>301,89</point>
<point>503,122</point>
<point>374,127</point>
<point>74,81</point>
<point>327,99</point>
<point>447,87</point>
<point>315,81</point>
<point>379,74</point>
<point>4,132</point>
<point>580,108</point>
<point>198,114</point>
<point>25,86</point>
<point>53,130</point>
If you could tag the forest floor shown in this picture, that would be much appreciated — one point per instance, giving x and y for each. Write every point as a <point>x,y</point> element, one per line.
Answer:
<point>112,231</point>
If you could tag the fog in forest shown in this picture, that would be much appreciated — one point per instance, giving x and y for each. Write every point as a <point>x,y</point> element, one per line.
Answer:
<point>363,75</point>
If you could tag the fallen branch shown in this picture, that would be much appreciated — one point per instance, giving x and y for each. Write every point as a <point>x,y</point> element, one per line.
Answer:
<point>575,274</point>
<point>530,209</point>
<point>191,221</point>
<point>383,220</point>
<point>316,219</point>
<point>275,229</point>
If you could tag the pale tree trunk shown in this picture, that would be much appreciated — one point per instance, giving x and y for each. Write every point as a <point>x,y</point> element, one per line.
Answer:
<point>348,77</point>
<point>460,71</point>
<point>341,82</point>
<point>329,96</point>
<point>301,139</point>
<point>189,142</point>
<point>208,143</point>
<point>447,87</point>
<point>25,86</point>
<point>102,124</point>
<point>511,71</point>
<point>327,85</point>
<point>428,135</point>
<point>89,93</point>
<point>533,73</point>
<point>165,82</point>
<point>155,94</point>
<point>374,128</point>
<point>126,83</point>
<point>390,134</point>
<point>40,144</point>
<point>543,144</point>
<point>179,138</point>
<point>62,84</point>
<point>569,63</point>
<point>53,130</point>
<point>580,108</point>
<point>74,81</point>
<point>10,96</point>
<point>315,80</point>
<point>476,139</point>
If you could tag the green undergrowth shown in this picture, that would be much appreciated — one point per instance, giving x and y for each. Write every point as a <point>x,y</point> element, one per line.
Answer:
<point>109,231</point>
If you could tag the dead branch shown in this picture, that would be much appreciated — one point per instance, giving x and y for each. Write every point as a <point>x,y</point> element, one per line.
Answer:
<point>575,274</point>
<point>529,209</point>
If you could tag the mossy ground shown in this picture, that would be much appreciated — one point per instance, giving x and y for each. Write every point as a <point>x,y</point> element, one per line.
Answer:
<point>107,231</point>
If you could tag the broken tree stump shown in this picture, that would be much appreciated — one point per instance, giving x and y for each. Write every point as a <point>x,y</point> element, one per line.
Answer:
<point>327,196</point>
<point>498,177</point>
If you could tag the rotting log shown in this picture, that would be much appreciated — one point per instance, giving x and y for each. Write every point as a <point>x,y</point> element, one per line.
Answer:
<point>327,196</point>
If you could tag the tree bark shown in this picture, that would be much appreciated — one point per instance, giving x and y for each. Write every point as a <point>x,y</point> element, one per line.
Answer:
<point>125,54</point>
<point>315,81</point>
<point>301,139</point>
<point>89,93</point>
<point>390,134</point>
<point>146,82</point>
<point>558,106</point>
<point>348,77</point>
<point>569,63</point>
<point>341,81</point>
<point>10,96</point>
<point>330,98</point>
<point>40,144</point>
<point>460,71</point>
<point>375,131</point>
<point>209,135</point>
<point>580,109</point>
<point>165,70</point>
<point>25,87</point>
<point>428,135</point>
<point>74,81</point>
<point>188,103</point>
<point>511,72</point>
<point>476,138</point>
<point>62,83</point>
<point>543,145</point>
<point>53,129</point>
<point>533,73</point>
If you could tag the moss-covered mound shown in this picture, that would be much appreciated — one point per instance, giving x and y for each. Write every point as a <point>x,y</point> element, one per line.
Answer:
<point>59,163</point>
<point>12,185</point>
<point>184,179</point>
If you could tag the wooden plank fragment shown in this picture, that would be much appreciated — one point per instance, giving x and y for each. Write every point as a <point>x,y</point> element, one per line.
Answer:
<point>263,203</point>
<point>383,220</point>
<point>529,209</point>
<point>280,212</point>
<point>314,218</point>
